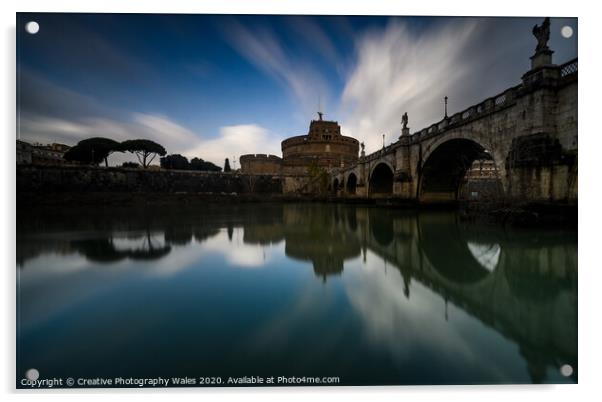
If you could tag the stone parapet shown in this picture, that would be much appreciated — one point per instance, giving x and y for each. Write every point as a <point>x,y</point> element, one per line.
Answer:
<point>82,179</point>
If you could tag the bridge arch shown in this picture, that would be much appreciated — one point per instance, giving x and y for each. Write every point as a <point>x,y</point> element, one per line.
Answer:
<point>381,179</point>
<point>445,164</point>
<point>457,134</point>
<point>351,183</point>
<point>374,164</point>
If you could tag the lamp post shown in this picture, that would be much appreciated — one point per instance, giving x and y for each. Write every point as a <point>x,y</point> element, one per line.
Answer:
<point>383,141</point>
<point>445,99</point>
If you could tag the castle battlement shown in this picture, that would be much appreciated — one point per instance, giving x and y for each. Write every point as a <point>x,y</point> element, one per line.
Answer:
<point>259,156</point>
<point>323,145</point>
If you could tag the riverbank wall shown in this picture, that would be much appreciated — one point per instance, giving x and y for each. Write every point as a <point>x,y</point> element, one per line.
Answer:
<point>68,186</point>
<point>81,180</point>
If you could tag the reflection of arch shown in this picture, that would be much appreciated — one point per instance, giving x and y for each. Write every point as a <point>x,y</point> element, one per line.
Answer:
<point>381,226</point>
<point>381,179</point>
<point>98,250</point>
<point>445,166</point>
<point>447,248</point>
<point>351,184</point>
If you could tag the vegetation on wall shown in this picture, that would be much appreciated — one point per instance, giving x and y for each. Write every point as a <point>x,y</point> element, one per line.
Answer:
<point>318,178</point>
<point>92,151</point>
<point>179,162</point>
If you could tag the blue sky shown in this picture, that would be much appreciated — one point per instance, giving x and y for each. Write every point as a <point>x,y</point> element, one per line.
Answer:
<point>217,86</point>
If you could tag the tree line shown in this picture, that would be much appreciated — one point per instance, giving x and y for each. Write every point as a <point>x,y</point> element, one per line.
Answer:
<point>98,149</point>
<point>180,162</point>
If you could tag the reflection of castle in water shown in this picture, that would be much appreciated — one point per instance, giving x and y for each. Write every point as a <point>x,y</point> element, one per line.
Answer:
<point>521,284</point>
<point>515,282</point>
<point>311,234</point>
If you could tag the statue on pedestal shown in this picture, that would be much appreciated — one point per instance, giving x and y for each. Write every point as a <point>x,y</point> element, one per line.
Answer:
<point>405,130</point>
<point>543,54</point>
<point>542,34</point>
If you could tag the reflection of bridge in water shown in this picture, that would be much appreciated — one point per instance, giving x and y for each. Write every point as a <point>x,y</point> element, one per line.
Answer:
<point>520,284</point>
<point>526,292</point>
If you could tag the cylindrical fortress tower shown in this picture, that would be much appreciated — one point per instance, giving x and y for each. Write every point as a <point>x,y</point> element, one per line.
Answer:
<point>323,146</point>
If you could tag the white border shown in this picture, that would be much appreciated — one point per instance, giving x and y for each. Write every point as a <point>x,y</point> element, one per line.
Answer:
<point>589,219</point>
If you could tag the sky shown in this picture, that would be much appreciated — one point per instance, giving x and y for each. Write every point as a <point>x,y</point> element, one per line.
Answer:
<point>219,86</point>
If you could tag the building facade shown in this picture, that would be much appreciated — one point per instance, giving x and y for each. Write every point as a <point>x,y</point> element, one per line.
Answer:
<point>323,146</point>
<point>24,153</point>
<point>51,154</point>
<point>481,182</point>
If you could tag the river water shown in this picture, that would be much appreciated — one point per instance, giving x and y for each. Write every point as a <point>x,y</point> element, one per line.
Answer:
<point>369,295</point>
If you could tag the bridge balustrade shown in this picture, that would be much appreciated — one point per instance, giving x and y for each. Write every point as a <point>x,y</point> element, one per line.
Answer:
<point>568,68</point>
<point>500,100</point>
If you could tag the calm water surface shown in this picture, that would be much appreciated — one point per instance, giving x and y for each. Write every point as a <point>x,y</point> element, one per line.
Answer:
<point>371,295</point>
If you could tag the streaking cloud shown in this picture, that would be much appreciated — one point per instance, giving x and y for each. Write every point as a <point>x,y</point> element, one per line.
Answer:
<point>399,71</point>
<point>234,141</point>
<point>221,86</point>
<point>262,48</point>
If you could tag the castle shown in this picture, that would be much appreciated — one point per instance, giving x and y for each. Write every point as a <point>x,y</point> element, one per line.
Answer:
<point>323,146</point>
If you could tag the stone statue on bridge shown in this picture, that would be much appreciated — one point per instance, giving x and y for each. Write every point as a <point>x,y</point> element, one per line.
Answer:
<point>542,34</point>
<point>405,130</point>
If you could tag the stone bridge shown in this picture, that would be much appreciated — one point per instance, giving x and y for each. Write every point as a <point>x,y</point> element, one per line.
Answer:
<point>529,131</point>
